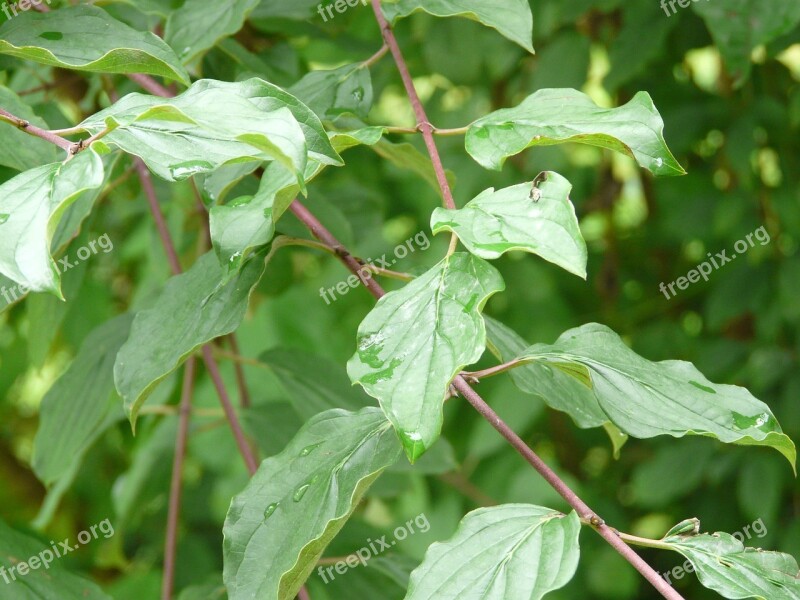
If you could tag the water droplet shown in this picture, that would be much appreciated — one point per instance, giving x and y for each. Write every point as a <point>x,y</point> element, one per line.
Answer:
<point>659,162</point>
<point>189,168</point>
<point>300,492</point>
<point>52,35</point>
<point>4,217</point>
<point>235,256</point>
<point>309,449</point>
<point>270,509</point>
<point>358,94</point>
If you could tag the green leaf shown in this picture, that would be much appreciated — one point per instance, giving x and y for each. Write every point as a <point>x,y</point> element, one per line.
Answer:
<point>552,386</point>
<point>417,339</point>
<point>537,218</point>
<point>339,91</point>
<point>329,388</point>
<point>553,116</point>
<point>81,403</point>
<point>21,151</point>
<point>723,564</point>
<point>645,399</point>
<point>193,309</point>
<point>513,551</point>
<point>198,25</point>
<point>511,18</point>
<point>59,38</point>
<point>31,204</point>
<point>52,583</point>
<point>278,527</point>
<point>210,125</point>
<point>407,156</point>
<point>739,26</point>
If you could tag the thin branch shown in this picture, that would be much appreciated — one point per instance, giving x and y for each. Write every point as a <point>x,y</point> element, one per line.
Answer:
<point>423,123</point>
<point>171,541</point>
<point>151,85</point>
<point>230,413</point>
<point>32,129</point>
<point>241,382</point>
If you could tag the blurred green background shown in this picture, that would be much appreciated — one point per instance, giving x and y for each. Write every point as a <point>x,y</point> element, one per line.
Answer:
<point>732,115</point>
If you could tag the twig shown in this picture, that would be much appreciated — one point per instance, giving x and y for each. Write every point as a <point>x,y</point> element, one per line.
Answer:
<point>171,541</point>
<point>151,85</point>
<point>423,123</point>
<point>32,129</point>
<point>241,382</point>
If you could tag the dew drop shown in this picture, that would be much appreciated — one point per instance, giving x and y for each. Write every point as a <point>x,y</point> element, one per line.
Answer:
<point>659,162</point>
<point>4,217</point>
<point>309,449</point>
<point>358,94</point>
<point>300,492</point>
<point>270,509</point>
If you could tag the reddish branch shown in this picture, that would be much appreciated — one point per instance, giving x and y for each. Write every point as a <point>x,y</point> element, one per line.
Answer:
<point>171,542</point>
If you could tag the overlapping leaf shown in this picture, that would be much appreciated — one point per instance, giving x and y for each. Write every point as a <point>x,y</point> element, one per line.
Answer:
<point>417,339</point>
<point>513,551</point>
<point>553,116</point>
<point>31,205</point>
<point>210,125</point>
<point>539,219</point>
<point>512,18</point>
<point>87,38</point>
<point>278,527</point>
<point>339,91</point>
<point>194,308</point>
<point>723,564</point>
<point>645,399</point>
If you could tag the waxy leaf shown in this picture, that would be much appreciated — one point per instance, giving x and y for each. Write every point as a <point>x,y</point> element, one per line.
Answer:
<point>645,399</point>
<point>723,564</point>
<point>508,552</point>
<point>553,116</point>
<point>511,18</point>
<point>206,127</point>
<point>739,26</point>
<point>198,25</point>
<point>537,218</point>
<point>417,339</point>
<point>291,509</point>
<point>87,38</point>
<point>51,583</point>
<point>81,404</point>
<point>31,204</point>
<point>193,309</point>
